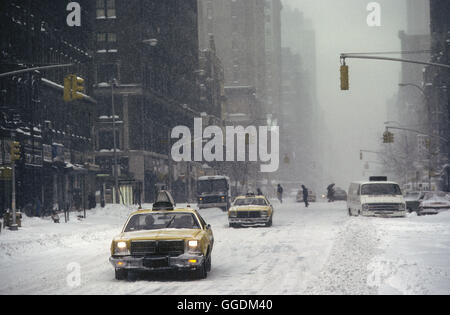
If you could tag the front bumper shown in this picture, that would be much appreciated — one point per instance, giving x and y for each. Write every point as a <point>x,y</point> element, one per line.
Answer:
<point>183,262</point>
<point>389,214</point>
<point>431,210</point>
<point>212,205</point>
<point>249,220</point>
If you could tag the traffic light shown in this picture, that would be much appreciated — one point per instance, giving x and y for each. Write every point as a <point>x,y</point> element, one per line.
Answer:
<point>73,87</point>
<point>68,88</point>
<point>345,85</point>
<point>388,137</point>
<point>15,151</point>
<point>391,137</point>
<point>77,87</point>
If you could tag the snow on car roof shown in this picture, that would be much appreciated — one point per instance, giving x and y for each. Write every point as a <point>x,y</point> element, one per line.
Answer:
<point>213,177</point>
<point>368,182</point>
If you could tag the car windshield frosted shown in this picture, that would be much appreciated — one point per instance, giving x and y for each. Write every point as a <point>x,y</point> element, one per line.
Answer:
<point>211,186</point>
<point>250,202</point>
<point>380,189</point>
<point>158,221</point>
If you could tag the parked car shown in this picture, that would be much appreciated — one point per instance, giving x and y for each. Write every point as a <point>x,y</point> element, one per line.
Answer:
<point>413,199</point>
<point>163,239</point>
<point>251,210</point>
<point>434,202</point>
<point>340,194</point>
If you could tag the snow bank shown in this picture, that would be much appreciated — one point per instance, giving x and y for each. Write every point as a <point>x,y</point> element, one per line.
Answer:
<point>414,255</point>
<point>37,235</point>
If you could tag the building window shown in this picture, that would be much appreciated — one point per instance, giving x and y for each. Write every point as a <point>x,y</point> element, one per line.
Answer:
<point>106,9</point>
<point>106,42</point>
<point>101,37</point>
<point>111,8</point>
<point>112,37</point>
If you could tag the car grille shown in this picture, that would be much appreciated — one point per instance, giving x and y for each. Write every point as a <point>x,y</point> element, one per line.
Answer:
<point>157,248</point>
<point>384,207</point>
<point>248,214</point>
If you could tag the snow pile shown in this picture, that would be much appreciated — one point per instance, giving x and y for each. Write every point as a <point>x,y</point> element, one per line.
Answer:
<point>37,235</point>
<point>414,255</point>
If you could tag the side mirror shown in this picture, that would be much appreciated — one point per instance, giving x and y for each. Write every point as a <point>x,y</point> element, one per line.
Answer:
<point>208,227</point>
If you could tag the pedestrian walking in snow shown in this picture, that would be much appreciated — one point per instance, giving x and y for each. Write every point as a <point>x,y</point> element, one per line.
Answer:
<point>305,195</point>
<point>280,193</point>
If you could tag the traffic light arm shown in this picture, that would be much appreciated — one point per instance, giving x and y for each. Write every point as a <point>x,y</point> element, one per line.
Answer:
<point>355,56</point>
<point>418,132</point>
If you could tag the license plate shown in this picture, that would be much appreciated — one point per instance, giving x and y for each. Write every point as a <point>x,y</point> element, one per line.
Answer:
<point>156,263</point>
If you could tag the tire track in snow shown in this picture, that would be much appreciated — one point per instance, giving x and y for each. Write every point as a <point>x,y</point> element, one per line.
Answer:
<point>346,270</point>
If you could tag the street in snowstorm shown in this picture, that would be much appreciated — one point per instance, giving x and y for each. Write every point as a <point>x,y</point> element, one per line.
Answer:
<point>225,147</point>
<point>319,250</point>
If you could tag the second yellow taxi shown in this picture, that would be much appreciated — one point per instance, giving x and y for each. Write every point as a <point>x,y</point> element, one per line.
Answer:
<point>251,210</point>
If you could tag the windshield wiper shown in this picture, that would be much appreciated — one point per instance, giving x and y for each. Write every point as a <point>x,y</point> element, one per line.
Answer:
<point>170,222</point>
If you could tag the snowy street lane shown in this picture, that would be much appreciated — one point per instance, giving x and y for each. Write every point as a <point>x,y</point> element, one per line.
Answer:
<point>319,250</point>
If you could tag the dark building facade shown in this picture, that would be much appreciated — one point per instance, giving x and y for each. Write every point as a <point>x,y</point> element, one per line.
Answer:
<point>54,171</point>
<point>151,49</point>
<point>437,81</point>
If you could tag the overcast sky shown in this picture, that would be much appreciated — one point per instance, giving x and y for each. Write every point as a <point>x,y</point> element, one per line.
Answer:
<point>355,119</point>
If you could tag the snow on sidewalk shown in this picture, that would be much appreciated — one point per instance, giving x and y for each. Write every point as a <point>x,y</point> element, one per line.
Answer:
<point>414,255</point>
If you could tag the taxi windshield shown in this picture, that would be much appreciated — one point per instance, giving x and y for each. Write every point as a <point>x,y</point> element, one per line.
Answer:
<point>250,202</point>
<point>160,221</point>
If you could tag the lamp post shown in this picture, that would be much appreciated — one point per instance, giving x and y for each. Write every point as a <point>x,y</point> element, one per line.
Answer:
<point>115,171</point>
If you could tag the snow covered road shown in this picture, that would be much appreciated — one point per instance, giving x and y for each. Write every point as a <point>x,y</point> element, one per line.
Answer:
<point>319,250</point>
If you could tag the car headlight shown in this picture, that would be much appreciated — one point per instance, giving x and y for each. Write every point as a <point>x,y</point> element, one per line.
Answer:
<point>122,245</point>
<point>193,246</point>
<point>233,214</point>
<point>121,248</point>
<point>264,213</point>
<point>402,207</point>
<point>365,207</point>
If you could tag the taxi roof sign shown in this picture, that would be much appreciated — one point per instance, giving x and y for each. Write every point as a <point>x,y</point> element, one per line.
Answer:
<point>164,201</point>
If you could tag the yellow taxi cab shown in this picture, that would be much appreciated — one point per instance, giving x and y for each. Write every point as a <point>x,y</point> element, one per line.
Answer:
<point>161,239</point>
<point>251,210</point>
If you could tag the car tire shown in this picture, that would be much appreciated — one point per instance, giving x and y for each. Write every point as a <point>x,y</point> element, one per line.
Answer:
<point>209,262</point>
<point>350,212</point>
<point>201,273</point>
<point>270,223</point>
<point>121,274</point>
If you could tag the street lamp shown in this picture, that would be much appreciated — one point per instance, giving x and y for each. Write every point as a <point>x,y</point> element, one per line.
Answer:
<point>115,172</point>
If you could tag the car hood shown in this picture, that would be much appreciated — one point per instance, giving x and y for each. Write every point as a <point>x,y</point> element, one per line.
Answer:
<point>167,234</point>
<point>250,208</point>
<point>382,199</point>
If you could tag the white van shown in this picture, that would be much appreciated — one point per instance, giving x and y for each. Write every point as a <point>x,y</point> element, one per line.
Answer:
<point>377,197</point>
